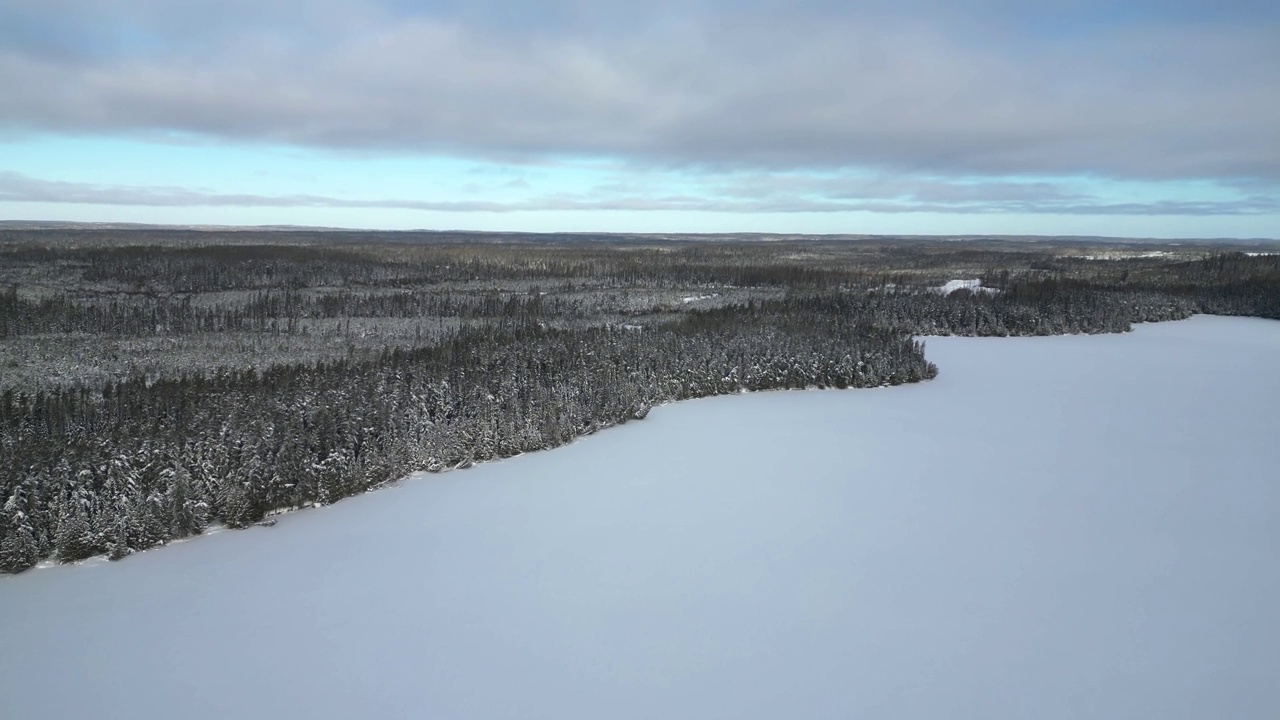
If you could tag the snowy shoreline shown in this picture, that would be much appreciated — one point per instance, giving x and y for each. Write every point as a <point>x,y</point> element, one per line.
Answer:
<point>274,516</point>
<point>1042,518</point>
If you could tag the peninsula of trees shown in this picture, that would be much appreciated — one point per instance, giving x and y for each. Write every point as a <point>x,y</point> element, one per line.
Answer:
<point>155,382</point>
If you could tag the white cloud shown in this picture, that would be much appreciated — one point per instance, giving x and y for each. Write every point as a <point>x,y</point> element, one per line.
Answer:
<point>751,195</point>
<point>924,91</point>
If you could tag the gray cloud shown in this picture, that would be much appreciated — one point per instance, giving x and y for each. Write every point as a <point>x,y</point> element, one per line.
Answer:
<point>1165,91</point>
<point>928,196</point>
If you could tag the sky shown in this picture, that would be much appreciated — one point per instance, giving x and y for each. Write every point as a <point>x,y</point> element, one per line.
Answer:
<point>1087,117</point>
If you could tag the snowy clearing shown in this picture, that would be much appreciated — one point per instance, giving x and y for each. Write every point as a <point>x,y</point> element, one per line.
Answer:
<point>974,286</point>
<point>1126,255</point>
<point>1056,527</point>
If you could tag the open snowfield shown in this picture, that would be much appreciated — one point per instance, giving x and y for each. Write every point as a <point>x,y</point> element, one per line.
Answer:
<point>1067,527</point>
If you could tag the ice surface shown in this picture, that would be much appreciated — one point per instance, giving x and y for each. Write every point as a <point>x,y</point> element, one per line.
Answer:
<point>1068,527</point>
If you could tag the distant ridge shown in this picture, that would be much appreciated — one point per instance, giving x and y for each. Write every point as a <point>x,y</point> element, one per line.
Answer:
<point>660,236</point>
<point>65,225</point>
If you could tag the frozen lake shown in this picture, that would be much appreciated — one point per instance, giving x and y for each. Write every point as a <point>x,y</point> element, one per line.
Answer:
<point>1061,527</point>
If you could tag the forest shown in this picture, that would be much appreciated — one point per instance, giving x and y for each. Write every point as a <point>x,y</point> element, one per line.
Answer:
<point>155,383</point>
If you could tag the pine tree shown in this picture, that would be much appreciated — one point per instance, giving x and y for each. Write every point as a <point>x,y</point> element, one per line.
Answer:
<point>74,539</point>
<point>187,512</point>
<point>18,548</point>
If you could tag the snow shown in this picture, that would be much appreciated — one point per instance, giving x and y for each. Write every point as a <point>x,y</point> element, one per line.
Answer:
<point>696,298</point>
<point>974,285</point>
<point>1126,255</point>
<point>1058,527</point>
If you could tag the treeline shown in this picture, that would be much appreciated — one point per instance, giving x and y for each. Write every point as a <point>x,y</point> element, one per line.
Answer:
<point>1038,307</point>
<point>116,469</point>
<point>220,268</point>
<point>1032,304</point>
<point>268,311</point>
<point>139,464</point>
<point>325,283</point>
<point>1223,284</point>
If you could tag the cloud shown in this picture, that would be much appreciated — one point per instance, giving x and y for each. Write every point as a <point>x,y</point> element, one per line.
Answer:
<point>1163,91</point>
<point>812,195</point>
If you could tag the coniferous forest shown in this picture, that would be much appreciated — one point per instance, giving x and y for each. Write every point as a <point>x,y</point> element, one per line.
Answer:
<point>156,382</point>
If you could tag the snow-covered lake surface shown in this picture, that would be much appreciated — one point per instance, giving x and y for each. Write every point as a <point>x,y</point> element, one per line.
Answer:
<point>1070,527</point>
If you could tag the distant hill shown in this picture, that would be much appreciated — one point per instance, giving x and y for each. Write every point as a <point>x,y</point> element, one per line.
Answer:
<point>518,236</point>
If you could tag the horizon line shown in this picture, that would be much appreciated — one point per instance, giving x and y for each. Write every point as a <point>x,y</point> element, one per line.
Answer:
<point>223,227</point>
